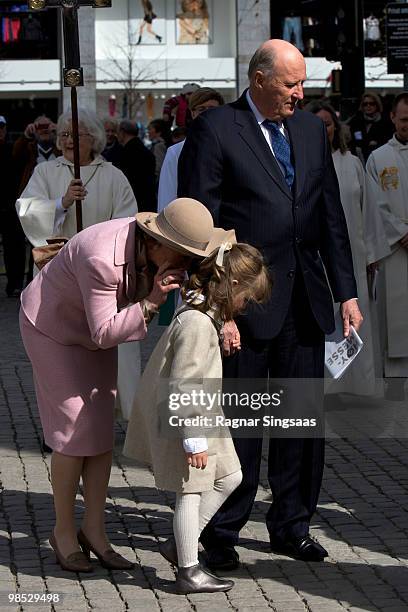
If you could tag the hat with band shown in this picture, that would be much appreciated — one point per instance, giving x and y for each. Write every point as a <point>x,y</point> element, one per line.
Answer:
<point>187,226</point>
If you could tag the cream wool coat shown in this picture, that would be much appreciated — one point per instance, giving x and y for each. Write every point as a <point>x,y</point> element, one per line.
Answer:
<point>188,349</point>
<point>110,196</point>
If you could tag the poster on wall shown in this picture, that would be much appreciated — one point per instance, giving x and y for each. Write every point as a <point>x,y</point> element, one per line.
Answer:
<point>147,23</point>
<point>193,19</point>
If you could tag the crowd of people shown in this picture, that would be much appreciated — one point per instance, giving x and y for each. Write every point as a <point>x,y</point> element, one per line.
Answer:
<point>269,216</point>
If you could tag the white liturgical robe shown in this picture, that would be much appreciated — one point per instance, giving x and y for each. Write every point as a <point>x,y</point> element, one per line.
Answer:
<point>368,244</point>
<point>387,169</point>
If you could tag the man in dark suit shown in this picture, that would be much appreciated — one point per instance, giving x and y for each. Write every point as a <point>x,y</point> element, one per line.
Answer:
<point>138,165</point>
<point>265,169</point>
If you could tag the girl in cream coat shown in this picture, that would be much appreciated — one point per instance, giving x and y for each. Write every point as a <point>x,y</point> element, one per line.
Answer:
<point>203,471</point>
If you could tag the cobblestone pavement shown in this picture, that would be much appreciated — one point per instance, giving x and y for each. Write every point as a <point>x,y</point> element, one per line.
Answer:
<point>362,520</point>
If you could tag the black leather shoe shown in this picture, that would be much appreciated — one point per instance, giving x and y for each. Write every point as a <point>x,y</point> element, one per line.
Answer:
<point>225,558</point>
<point>168,550</point>
<point>304,549</point>
<point>197,580</point>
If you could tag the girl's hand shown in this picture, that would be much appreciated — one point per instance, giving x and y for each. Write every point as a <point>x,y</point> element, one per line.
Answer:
<point>165,281</point>
<point>75,191</point>
<point>231,339</point>
<point>197,460</point>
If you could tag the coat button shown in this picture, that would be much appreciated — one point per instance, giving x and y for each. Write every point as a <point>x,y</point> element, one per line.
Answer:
<point>298,240</point>
<point>291,273</point>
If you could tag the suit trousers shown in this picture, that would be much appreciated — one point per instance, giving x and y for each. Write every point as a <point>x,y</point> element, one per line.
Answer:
<point>295,466</point>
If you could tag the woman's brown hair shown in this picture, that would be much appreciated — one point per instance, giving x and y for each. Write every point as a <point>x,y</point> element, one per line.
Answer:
<point>339,140</point>
<point>244,264</point>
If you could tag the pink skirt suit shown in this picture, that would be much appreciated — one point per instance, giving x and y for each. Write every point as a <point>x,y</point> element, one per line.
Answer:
<point>73,316</point>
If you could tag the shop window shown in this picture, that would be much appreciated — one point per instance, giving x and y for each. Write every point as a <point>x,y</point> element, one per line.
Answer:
<point>26,34</point>
<point>311,25</point>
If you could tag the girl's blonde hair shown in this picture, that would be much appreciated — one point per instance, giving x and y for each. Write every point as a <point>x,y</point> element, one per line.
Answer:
<point>243,263</point>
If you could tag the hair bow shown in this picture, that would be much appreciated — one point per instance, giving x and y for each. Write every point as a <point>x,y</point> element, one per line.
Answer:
<point>224,247</point>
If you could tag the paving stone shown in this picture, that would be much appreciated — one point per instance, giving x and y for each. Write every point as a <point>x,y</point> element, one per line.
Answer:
<point>362,520</point>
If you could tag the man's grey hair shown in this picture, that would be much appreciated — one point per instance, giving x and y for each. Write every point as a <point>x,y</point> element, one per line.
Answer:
<point>88,120</point>
<point>263,60</point>
<point>129,127</point>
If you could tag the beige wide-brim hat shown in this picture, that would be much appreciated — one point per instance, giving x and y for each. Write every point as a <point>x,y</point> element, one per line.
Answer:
<point>186,226</point>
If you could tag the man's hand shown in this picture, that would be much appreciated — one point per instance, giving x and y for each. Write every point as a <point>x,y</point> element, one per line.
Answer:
<point>351,315</point>
<point>373,267</point>
<point>29,132</point>
<point>231,338</point>
<point>404,241</point>
<point>197,460</point>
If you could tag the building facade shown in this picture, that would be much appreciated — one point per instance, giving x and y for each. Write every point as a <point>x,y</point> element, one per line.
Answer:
<point>134,59</point>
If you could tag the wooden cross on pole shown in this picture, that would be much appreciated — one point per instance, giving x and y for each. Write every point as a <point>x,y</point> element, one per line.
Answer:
<point>72,73</point>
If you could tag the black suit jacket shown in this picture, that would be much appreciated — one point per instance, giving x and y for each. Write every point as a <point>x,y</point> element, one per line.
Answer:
<point>139,166</point>
<point>227,164</point>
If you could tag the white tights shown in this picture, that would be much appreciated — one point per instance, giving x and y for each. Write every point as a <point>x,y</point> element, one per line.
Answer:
<point>192,513</point>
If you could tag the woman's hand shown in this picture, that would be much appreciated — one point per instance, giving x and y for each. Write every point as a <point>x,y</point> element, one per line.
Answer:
<point>197,460</point>
<point>165,280</point>
<point>75,191</point>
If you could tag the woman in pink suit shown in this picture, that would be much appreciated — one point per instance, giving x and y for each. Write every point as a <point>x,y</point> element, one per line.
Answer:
<point>99,291</point>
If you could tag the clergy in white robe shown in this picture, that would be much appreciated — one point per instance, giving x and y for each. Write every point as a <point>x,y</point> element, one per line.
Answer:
<point>387,168</point>
<point>108,196</point>
<point>368,246</point>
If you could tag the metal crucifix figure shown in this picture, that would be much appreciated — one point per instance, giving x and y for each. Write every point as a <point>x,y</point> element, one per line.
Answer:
<point>72,73</point>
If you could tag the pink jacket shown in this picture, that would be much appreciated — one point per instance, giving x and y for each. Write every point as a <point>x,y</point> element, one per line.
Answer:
<point>77,297</point>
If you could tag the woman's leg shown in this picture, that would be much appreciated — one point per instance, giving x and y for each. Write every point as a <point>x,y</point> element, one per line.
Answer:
<point>211,501</point>
<point>186,525</point>
<point>65,474</point>
<point>95,478</point>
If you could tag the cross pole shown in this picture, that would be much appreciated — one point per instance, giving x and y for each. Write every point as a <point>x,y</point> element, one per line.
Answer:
<point>72,73</point>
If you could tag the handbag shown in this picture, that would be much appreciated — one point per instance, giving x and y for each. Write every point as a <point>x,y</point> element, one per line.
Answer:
<point>44,254</point>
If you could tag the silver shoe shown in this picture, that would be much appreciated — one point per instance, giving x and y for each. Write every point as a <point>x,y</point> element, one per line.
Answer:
<point>197,580</point>
<point>168,550</point>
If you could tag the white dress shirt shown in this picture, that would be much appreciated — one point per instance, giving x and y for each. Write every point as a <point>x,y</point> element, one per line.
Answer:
<point>168,176</point>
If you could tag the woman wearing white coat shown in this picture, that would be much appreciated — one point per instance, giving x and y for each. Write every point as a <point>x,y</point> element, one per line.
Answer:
<point>46,208</point>
<point>368,246</point>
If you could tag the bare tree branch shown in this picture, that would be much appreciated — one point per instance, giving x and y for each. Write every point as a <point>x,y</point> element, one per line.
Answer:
<point>123,67</point>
